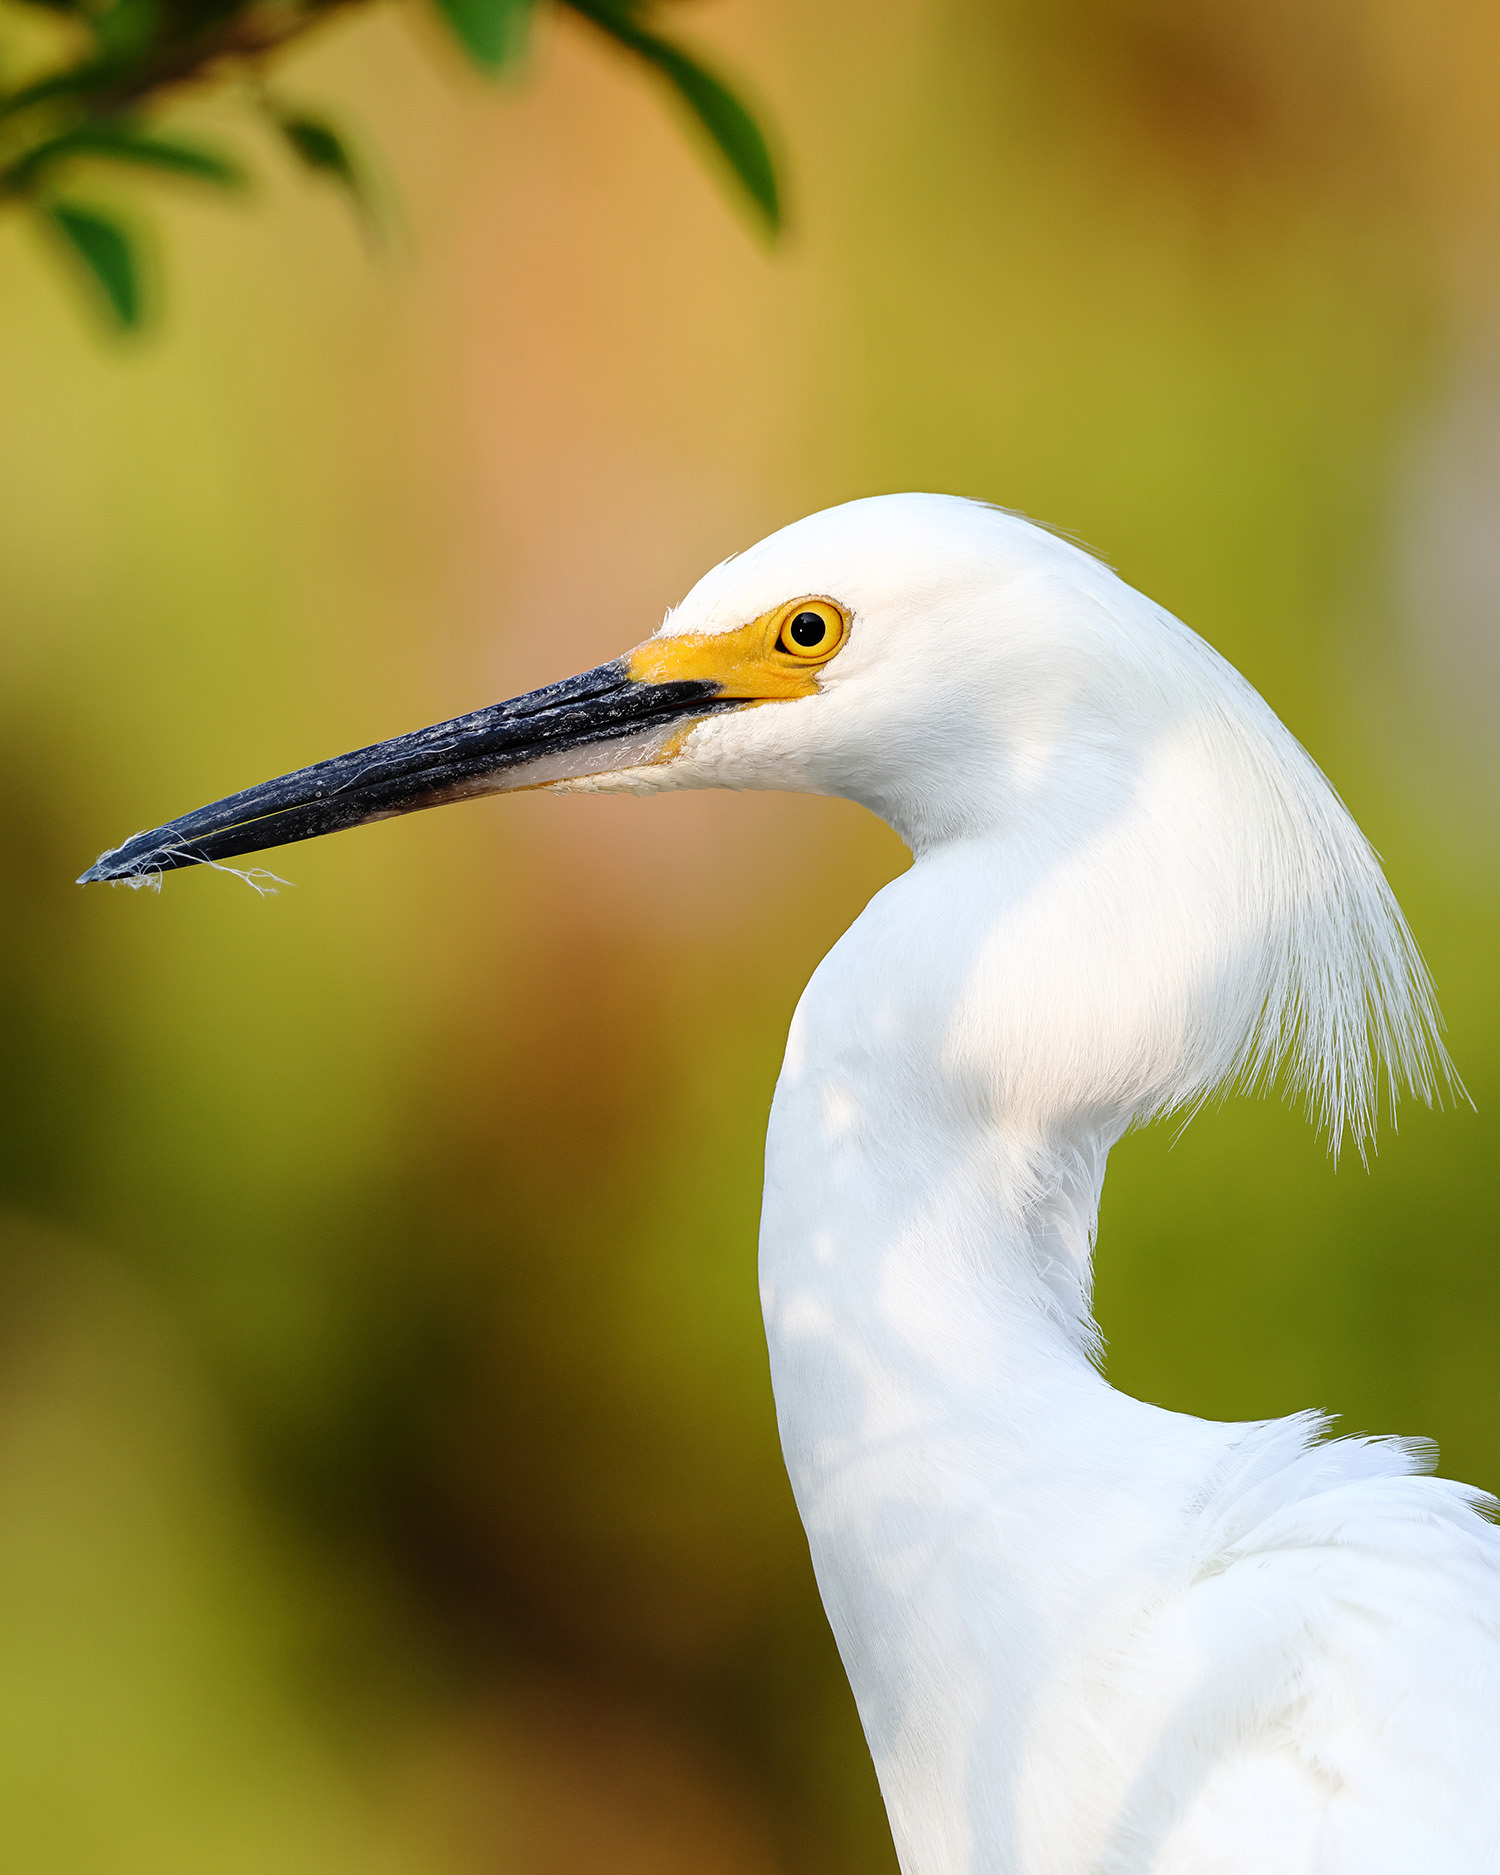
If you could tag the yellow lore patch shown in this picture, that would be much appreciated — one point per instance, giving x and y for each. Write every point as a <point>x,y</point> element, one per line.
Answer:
<point>773,659</point>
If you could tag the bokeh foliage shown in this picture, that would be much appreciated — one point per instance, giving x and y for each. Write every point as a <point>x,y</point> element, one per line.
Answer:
<point>388,1476</point>
<point>98,90</point>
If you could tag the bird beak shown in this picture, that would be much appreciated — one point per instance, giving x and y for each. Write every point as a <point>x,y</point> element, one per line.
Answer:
<point>621,715</point>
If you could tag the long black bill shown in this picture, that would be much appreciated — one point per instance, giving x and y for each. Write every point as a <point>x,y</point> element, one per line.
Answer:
<point>585,725</point>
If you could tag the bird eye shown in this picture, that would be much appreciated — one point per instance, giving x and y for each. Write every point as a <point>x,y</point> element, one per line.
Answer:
<point>813,630</point>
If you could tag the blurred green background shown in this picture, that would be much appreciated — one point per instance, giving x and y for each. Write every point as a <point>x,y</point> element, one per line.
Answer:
<point>388,1477</point>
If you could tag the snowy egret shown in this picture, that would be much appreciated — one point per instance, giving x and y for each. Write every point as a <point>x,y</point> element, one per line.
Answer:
<point>1085,1634</point>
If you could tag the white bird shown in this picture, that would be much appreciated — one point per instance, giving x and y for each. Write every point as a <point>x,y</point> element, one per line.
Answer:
<point>1087,1636</point>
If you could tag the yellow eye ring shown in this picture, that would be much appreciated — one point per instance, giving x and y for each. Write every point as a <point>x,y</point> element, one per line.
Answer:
<point>811,630</point>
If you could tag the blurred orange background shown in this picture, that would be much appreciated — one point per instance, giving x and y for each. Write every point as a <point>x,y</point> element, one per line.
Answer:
<point>388,1476</point>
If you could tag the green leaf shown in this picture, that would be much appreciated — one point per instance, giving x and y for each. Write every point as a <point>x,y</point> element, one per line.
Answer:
<point>319,146</point>
<point>122,143</point>
<point>732,128</point>
<point>75,81</point>
<point>167,153</point>
<point>492,32</point>
<point>106,254</point>
<point>125,29</point>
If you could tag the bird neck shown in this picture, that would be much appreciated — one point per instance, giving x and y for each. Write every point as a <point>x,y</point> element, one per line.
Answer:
<point>916,1270</point>
<point>973,1491</point>
<point>924,1134</point>
<point>930,1201</point>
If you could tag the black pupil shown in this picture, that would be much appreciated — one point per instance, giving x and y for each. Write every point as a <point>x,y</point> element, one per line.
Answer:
<point>808,629</point>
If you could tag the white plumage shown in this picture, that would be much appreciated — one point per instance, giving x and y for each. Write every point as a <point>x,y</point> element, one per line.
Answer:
<point>1085,1634</point>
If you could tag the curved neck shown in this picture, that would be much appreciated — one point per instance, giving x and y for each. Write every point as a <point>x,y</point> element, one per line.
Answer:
<point>918,1140</point>
<point>919,1274</point>
<point>973,1492</point>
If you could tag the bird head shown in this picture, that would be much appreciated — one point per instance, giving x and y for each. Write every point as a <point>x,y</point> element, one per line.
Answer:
<point>973,679</point>
<point>908,651</point>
